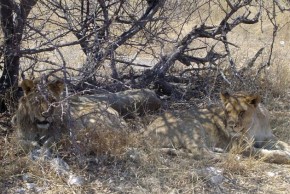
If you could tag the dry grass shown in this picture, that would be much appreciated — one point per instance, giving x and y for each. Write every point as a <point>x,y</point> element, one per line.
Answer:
<point>100,142</point>
<point>279,79</point>
<point>116,166</point>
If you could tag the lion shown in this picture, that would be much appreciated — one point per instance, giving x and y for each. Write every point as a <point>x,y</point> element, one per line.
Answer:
<point>42,117</point>
<point>241,123</point>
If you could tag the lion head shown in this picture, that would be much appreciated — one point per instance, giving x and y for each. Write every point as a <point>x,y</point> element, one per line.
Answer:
<point>37,110</point>
<point>241,111</point>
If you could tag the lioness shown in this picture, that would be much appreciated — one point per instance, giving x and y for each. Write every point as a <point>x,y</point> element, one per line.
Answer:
<point>41,118</point>
<point>242,122</point>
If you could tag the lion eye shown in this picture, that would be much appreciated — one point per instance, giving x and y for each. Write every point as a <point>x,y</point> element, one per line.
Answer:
<point>241,114</point>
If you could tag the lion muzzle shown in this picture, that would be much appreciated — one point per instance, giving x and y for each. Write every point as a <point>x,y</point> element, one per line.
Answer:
<point>43,124</point>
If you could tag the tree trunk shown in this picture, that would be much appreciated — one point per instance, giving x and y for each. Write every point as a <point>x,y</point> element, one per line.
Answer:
<point>13,17</point>
<point>11,60</point>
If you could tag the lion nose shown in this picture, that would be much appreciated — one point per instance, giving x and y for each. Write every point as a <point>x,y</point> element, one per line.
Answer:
<point>45,114</point>
<point>232,124</point>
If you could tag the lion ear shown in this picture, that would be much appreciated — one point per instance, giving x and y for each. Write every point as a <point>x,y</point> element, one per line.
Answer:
<point>27,85</point>
<point>254,100</point>
<point>224,96</point>
<point>56,87</point>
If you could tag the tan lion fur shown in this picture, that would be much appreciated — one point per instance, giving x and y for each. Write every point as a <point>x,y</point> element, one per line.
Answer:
<point>41,118</point>
<point>241,123</point>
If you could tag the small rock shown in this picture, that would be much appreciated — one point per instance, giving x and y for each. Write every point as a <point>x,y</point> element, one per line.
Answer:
<point>272,174</point>
<point>215,170</point>
<point>75,180</point>
<point>60,166</point>
<point>34,154</point>
<point>46,153</point>
<point>27,178</point>
<point>133,154</point>
<point>216,179</point>
<point>214,175</point>
<point>173,191</point>
<point>20,191</point>
<point>40,154</point>
<point>30,186</point>
<point>39,189</point>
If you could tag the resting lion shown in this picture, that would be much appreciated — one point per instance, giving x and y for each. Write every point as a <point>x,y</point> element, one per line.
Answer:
<point>242,123</point>
<point>42,118</point>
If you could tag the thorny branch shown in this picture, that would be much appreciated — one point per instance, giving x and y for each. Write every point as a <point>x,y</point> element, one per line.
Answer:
<point>202,31</point>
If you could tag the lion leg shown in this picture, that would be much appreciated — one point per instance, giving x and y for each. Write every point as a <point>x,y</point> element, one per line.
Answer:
<point>279,154</point>
<point>273,151</point>
<point>280,145</point>
<point>273,156</point>
<point>275,144</point>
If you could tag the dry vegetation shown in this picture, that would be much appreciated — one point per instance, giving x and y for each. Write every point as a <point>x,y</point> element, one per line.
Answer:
<point>121,163</point>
